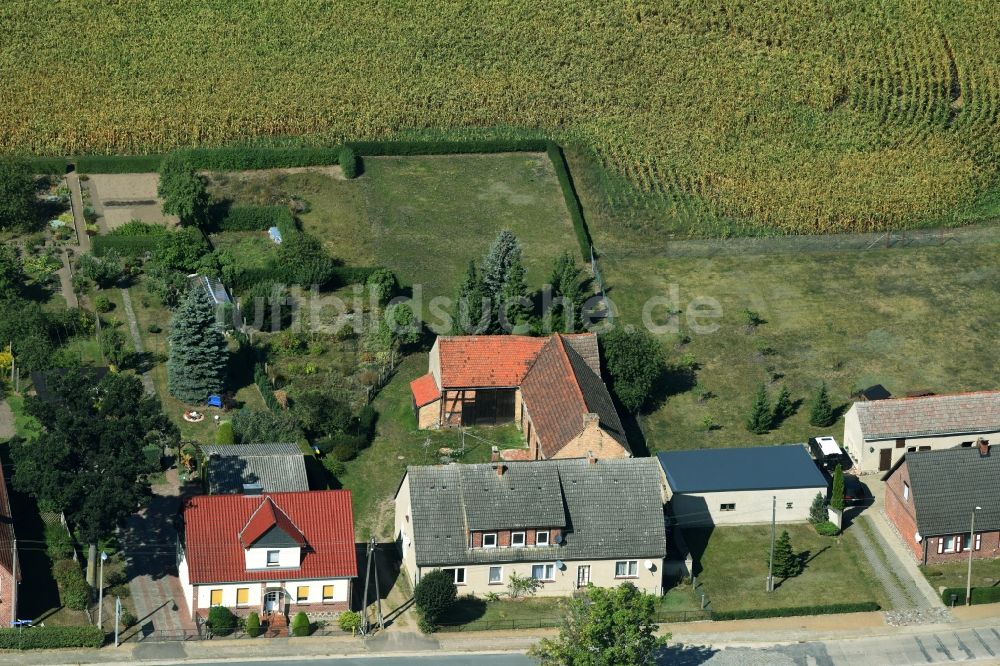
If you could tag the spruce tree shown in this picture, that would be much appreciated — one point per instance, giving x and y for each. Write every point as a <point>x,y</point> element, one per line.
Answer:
<point>196,367</point>
<point>469,315</point>
<point>837,491</point>
<point>782,407</point>
<point>786,564</point>
<point>821,414</point>
<point>503,278</point>
<point>567,293</point>
<point>759,420</point>
<point>817,510</point>
<point>510,303</point>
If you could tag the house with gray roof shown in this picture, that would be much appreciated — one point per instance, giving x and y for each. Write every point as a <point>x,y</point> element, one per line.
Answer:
<point>263,468</point>
<point>567,523</point>
<point>878,433</point>
<point>741,486</point>
<point>932,496</point>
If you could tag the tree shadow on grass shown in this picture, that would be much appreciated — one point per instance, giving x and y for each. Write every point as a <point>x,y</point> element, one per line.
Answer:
<point>465,609</point>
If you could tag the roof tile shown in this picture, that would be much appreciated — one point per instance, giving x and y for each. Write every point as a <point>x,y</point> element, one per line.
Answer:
<point>947,485</point>
<point>425,390</point>
<point>930,415</point>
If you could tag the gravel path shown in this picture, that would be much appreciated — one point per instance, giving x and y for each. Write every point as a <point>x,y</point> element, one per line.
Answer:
<point>882,566</point>
<point>6,421</point>
<point>133,326</point>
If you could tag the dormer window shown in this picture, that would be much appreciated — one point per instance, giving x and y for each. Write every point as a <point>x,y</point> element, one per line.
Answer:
<point>542,538</point>
<point>517,539</point>
<point>273,558</point>
<point>490,540</point>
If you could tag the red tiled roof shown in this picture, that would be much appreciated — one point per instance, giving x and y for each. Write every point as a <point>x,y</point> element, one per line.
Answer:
<point>213,525</point>
<point>425,390</point>
<point>268,516</point>
<point>496,361</point>
<point>6,530</point>
<point>955,413</point>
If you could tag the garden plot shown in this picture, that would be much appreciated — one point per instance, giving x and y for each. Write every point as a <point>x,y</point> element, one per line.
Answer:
<point>120,198</point>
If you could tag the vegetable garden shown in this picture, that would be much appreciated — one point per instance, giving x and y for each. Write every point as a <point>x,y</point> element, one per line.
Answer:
<point>708,118</point>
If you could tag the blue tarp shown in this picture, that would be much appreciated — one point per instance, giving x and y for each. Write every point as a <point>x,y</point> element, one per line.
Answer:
<point>275,234</point>
<point>214,401</point>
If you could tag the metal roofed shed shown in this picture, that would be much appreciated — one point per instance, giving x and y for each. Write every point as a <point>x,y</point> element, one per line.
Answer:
<point>736,485</point>
<point>233,468</point>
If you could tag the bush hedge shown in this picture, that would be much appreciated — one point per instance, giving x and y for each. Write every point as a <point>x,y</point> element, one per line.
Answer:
<point>255,218</point>
<point>45,638</point>
<point>117,163</point>
<point>48,165</point>
<point>436,147</point>
<point>301,625</point>
<point>572,199</point>
<point>349,162</point>
<point>234,158</point>
<point>264,386</point>
<point>980,595</point>
<point>126,246</point>
<point>221,620</point>
<point>827,528</point>
<point>252,626</point>
<point>829,609</point>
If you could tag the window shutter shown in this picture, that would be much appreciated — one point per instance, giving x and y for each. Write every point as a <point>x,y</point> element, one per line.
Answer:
<point>979,541</point>
<point>959,545</point>
<point>940,544</point>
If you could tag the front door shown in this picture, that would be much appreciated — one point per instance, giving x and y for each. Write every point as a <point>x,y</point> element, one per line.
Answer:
<point>272,602</point>
<point>884,459</point>
<point>583,575</point>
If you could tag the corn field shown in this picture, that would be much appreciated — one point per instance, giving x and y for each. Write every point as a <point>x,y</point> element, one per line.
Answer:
<point>796,115</point>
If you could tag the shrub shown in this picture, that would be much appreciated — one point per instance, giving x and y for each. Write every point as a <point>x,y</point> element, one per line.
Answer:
<point>335,467</point>
<point>76,593</point>
<point>830,609</point>
<point>826,528</point>
<point>383,283</point>
<point>434,594</point>
<point>344,450</point>
<point>126,246</point>
<point>122,590</point>
<point>128,618</point>
<point>817,510</point>
<point>348,162</point>
<point>65,571</point>
<point>522,586</point>
<point>221,620</point>
<point>58,543</point>
<point>115,577</point>
<point>154,328</point>
<point>349,621</point>
<point>252,626</point>
<point>980,595</point>
<point>254,218</point>
<point>134,228</point>
<point>301,625</point>
<point>153,454</point>
<point>46,638</point>
<point>225,434</point>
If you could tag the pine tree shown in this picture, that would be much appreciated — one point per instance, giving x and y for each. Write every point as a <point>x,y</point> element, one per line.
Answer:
<point>511,303</point>
<point>503,278</point>
<point>837,491</point>
<point>821,414</point>
<point>786,564</point>
<point>196,367</point>
<point>469,314</point>
<point>567,293</point>
<point>782,407</point>
<point>759,420</point>
<point>817,510</point>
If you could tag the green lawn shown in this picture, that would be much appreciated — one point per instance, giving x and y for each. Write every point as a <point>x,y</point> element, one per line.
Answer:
<point>985,573</point>
<point>471,613</point>
<point>835,572</point>
<point>27,426</point>
<point>375,474</point>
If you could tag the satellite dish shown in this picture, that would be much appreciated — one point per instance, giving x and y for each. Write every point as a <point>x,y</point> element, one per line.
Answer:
<point>558,538</point>
<point>560,565</point>
<point>648,564</point>
<point>916,535</point>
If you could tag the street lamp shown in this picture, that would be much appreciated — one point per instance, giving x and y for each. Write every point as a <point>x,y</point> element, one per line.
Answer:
<point>972,545</point>
<point>100,593</point>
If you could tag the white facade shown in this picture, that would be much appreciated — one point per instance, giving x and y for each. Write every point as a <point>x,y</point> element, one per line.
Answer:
<point>404,529</point>
<point>868,453</point>
<point>743,507</point>
<point>256,558</point>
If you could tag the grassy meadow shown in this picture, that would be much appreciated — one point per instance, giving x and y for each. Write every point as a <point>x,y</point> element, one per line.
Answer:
<point>857,117</point>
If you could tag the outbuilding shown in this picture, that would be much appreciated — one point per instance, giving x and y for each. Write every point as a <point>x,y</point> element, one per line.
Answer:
<point>739,486</point>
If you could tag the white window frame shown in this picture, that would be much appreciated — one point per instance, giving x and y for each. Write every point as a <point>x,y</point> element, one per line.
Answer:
<point>630,567</point>
<point>978,540</point>
<point>495,541</point>
<point>727,506</point>
<point>458,574</point>
<point>277,558</point>
<point>906,491</point>
<point>524,539</point>
<point>548,572</point>
<point>953,548</point>
<point>490,580</point>
<point>540,533</point>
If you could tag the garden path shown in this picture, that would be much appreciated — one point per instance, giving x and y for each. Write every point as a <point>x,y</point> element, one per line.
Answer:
<point>6,421</point>
<point>133,327</point>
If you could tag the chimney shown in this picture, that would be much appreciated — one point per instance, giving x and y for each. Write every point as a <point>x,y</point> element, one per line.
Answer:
<point>494,454</point>
<point>591,458</point>
<point>591,419</point>
<point>501,469</point>
<point>984,447</point>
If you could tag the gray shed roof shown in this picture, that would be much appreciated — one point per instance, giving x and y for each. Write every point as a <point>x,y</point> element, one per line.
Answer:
<point>607,509</point>
<point>751,468</point>
<point>952,414</point>
<point>276,467</point>
<point>947,485</point>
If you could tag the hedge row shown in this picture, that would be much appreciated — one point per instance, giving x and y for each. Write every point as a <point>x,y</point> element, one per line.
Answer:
<point>118,163</point>
<point>418,147</point>
<point>127,246</point>
<point>260,378</point>
<point>235,158</point>
<point>572,200</point>
<point>829,609</point>
<point>42,638</point>
<point>48,165</point>
<point>980,595</point>
<point>255,218</point>
<point>240,279</point>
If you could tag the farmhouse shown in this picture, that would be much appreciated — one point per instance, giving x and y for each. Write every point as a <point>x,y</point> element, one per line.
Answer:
<point>273,553</point>
<point>930,497</point>
<point>272,468</point>
<point>565,523</point>
<point>10,574</point>
<point>740,486</point>
<point>551,387</point>
<point>878,433</point>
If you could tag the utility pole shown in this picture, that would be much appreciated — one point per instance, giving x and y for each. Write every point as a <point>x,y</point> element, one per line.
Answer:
<point>100,594</point>
<point>972,545</point>
<point>370,572</point>
<point>118,617</point>
<point>770,562</point>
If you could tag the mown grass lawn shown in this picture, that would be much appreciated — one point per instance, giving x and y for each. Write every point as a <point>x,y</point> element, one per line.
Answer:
<point>731,563</point>
<point>985,573</point>
<point>471,613</point>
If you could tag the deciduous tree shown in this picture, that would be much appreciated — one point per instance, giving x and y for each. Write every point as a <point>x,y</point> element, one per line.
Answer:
<point>182,190</point>
<point>17,194</point>
<point>634,362</point>
<point>196,367</point>
<point>433,595</point>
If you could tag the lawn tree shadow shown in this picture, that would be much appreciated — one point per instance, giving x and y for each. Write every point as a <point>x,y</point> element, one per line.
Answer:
<point>465,609</point>
<point>793,409</point>
<point>675,378</point>
<point>140,361</point>
<point>678,654</point>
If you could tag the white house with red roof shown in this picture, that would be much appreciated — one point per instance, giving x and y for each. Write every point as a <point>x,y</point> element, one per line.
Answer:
<point>550,387</point>
<point>878,433</point>
<point>274,553</point>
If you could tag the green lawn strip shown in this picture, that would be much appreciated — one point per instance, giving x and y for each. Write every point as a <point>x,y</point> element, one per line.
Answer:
<point>471,613</point>
<point>432,215</point>
<point>985,573</point>
<point>25,425</point>
<point>831,576</point>
<point>906,318</point>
